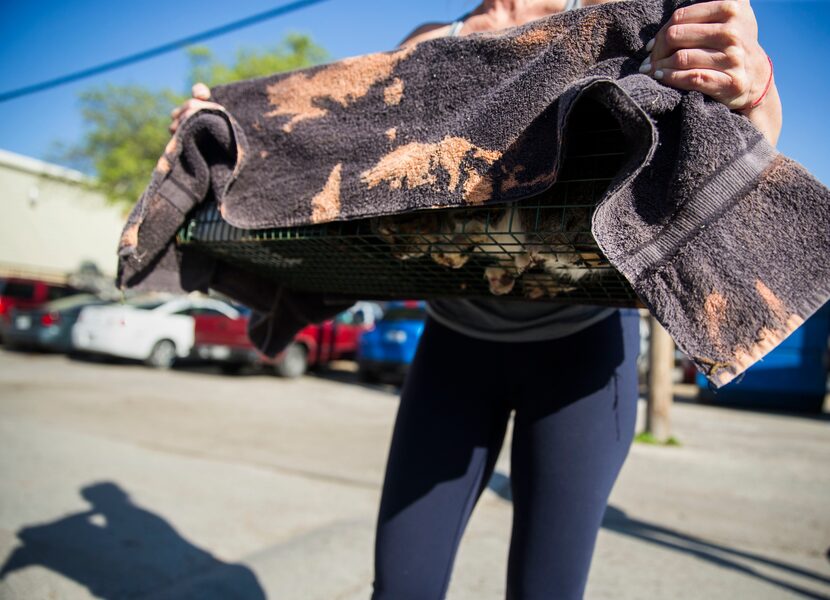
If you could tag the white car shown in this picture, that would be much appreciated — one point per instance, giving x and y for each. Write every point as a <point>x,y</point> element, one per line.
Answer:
<point>152,329</point>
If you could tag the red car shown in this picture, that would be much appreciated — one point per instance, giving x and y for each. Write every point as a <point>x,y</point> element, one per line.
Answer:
<point>223,340</point>
<point>19,292</point>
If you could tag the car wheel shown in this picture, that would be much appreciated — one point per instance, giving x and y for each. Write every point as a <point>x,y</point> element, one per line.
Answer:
<point>367,375</point>
<point>163,355</point>
<point>231,368</point>
<point>294,362</point>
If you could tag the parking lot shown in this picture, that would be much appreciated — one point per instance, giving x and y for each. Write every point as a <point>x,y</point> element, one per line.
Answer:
<point>123,481</point>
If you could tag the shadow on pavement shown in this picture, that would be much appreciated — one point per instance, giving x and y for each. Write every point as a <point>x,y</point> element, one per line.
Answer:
<point>616,520</point>
<point>119,550</point>
<point>353,378</point>
<point>717,554</point>
<point>188,366</point>
<point>92,358</point>
<point>221,370</point>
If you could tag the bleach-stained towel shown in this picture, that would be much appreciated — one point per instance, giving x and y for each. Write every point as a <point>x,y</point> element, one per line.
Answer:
<point>723,238</point>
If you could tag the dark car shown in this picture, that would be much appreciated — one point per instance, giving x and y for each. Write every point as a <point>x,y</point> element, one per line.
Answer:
<point>48,327</point>
<point>388,348</point>
<point>24,293</point>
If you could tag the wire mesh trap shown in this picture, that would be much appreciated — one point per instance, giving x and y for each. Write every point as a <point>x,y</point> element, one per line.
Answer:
<point>540,248</point>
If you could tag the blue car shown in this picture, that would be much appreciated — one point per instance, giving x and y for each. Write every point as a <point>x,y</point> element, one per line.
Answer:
<point>793,377</point>
<point>387,349</point>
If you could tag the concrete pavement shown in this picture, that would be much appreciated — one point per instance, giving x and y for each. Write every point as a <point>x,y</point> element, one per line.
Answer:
<point>118,481</point>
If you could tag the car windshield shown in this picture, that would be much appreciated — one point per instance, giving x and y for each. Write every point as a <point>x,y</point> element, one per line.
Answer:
<point>405,314</point>
<point>71,302</point>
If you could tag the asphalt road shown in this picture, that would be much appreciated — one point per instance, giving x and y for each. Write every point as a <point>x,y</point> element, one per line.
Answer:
<point>118,481</point>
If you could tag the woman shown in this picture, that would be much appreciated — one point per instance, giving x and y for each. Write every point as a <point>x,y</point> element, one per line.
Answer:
<point>567,372</point>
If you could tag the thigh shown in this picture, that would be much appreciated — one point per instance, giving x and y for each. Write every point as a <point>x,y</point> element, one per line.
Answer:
<point>448,432</point>
<point>572,432</point>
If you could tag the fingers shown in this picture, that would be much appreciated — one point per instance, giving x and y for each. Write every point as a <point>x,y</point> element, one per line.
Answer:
<point>694,35</point>
<point>711,47</point>
<point>201,94</point>
<point>181,114</point>
<point>707,81</point>
<point>200,91</point>
<point>717,25</point>
<point>706,12</point>
<point>695,58</point>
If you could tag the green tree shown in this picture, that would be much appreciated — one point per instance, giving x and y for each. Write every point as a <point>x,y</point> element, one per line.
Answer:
<point>125,127</point>
<point>295,51</point>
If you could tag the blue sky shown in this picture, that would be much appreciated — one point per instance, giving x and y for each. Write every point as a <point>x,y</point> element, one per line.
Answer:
<point>48,38</point>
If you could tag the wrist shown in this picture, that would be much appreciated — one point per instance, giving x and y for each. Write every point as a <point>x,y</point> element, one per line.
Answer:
<point>757,98</point>
<point>767,116</point>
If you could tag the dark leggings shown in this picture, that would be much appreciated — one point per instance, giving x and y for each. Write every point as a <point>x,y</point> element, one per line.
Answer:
<point>575,402</point>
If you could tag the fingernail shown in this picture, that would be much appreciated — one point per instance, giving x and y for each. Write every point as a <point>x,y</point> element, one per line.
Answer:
<point>650,45</point>
<point>646,65</point>
<point>658,74</point>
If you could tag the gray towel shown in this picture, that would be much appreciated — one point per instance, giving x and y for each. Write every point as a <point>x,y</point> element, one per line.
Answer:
<point>724,239</point>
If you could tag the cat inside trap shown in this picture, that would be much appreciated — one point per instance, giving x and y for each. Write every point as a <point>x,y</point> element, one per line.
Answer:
<point>544,243</point>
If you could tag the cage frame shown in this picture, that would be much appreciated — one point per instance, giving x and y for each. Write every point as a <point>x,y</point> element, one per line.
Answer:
<point>353,258</point>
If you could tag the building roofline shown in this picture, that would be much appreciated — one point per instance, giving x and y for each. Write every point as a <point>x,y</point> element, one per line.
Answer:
<point>40,167</point>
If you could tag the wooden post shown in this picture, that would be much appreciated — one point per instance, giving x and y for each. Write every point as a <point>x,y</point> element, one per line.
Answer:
<point>660,367</point>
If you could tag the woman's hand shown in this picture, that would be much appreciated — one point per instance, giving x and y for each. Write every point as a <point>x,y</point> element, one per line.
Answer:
<point>200,100</point>
<point>712,47</point>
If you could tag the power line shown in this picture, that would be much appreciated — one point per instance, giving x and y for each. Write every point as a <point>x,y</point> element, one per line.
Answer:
<point>169,47</point>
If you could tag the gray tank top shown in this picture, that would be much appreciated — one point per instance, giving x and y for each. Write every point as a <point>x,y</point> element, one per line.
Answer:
<point>509,320</point>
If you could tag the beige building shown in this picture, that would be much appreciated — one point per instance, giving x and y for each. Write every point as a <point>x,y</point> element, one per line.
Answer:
<point>52,222</point>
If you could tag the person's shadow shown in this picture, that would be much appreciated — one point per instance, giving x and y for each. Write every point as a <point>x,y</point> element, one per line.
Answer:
<point>119,550</point>
<point>718,554</point>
